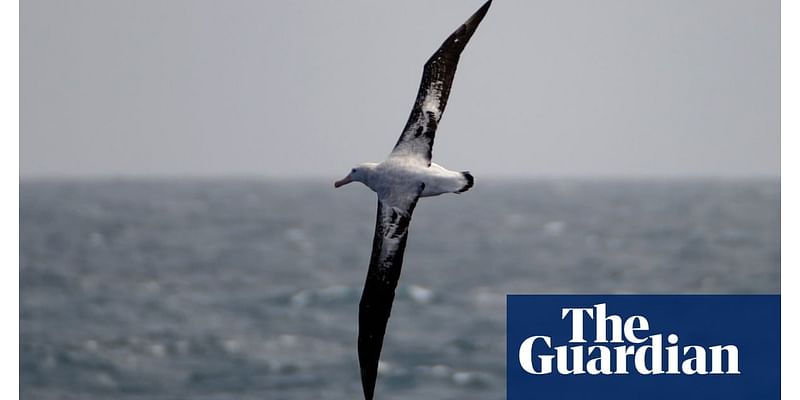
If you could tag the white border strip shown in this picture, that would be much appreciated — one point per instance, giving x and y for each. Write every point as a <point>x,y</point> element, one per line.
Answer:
<point>9,216</point>
<point>789,196</point>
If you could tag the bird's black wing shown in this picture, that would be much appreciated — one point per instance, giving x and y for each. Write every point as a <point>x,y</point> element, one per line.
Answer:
<point>388,246</point>
<point>416,141</point>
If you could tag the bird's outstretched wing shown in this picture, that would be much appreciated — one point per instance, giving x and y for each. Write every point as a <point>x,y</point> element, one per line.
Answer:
<point>388,246</point>
<point>416,141</point>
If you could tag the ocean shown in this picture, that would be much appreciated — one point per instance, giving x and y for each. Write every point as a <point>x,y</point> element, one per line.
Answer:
<point>249,289</point>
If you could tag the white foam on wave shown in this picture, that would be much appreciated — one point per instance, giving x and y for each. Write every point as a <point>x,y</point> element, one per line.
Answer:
<point>335,292</point>
<point>420,295</point>
<point>300,299</point>
<point>91,345</point>
<point>331,293</point>
<point>157,350</point>
<point>232,346</point>
<point>467,378</point>
<point>386,368</point>
<point>484,298</point>
<point>436,371</point>
<point>554,228</point>
<point>299,239</point>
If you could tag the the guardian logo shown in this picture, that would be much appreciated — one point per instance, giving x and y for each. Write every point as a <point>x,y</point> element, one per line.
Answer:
<point>621,346</point>
<point>633,346</point>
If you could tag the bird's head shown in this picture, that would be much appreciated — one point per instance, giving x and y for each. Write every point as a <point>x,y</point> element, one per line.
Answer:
<point>359,173</point>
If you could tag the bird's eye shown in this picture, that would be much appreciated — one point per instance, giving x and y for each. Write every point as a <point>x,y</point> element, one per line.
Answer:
<point>352,170</point>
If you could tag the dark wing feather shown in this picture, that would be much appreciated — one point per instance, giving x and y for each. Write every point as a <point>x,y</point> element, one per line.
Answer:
<point>388,246</point>
<point>416,141</point>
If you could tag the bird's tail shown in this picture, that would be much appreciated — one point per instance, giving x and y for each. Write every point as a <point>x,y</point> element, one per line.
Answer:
<point>469,181</point>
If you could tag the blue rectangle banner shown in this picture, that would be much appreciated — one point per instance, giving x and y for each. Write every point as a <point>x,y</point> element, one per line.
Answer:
<point>643,346</point>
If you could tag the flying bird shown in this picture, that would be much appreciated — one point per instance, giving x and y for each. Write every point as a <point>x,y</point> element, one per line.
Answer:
<point>400,180</point>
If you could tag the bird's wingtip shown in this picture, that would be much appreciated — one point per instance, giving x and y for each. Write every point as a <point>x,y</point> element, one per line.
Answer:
<point>476,18</point>
<point>469,27</point>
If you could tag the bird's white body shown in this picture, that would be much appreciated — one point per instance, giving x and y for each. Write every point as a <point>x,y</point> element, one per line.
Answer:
<point>402,172</point>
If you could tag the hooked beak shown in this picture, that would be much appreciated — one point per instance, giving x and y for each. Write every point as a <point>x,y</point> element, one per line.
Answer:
<point>347,179</point>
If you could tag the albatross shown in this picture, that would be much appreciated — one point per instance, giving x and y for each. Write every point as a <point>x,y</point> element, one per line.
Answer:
<point>400,180</point>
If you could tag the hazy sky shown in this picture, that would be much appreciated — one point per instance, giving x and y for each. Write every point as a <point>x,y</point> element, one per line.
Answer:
<point>309,88</point>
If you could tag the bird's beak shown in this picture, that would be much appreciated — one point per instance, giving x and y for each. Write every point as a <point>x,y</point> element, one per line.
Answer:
<point>347,179</point>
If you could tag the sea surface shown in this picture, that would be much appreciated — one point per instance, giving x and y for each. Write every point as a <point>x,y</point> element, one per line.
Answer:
<point>249,289</point>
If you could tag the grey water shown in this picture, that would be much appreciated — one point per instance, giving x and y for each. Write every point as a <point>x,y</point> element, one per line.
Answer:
<point>249,289</point>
